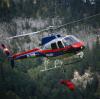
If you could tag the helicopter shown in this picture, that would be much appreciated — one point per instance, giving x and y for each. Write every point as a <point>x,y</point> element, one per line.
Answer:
<point>53,46</point>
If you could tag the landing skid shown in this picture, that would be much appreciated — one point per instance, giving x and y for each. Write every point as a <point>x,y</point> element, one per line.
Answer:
<point>60,62</point>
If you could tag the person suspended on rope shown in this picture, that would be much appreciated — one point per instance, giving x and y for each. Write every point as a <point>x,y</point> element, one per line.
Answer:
<point>68,84</point>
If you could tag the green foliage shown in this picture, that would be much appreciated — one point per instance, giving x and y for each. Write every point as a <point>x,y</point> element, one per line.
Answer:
<point>26,81</point>
<point>9,95</point>
<point>69,9</point>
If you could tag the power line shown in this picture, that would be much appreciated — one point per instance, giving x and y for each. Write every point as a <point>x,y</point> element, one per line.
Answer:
<point>78,20</point>
<point>51,28</point>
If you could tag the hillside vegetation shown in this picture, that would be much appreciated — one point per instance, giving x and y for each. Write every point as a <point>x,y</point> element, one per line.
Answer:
<point>26,81</point>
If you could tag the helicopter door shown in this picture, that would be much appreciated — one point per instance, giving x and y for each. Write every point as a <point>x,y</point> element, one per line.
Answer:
<point>60,45</point>
<point>54,46</point>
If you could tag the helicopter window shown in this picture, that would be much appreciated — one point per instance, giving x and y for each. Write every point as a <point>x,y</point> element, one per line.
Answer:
<point>60,44</point>
<point>47,47</point>
<point>54,46</point>
<point>65,43</point>
<point>68,41</point>
<point>74,39</point>
<point>71,40</point>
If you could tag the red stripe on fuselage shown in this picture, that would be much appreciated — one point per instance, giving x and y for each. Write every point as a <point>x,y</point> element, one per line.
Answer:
<point>26,52</point>
<point>66,48</point>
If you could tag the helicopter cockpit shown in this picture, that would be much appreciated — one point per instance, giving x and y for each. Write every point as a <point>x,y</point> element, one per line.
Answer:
<point>55,44</point>
<point>70,39</point>
<point>61,42</point>
<point>52,42</point>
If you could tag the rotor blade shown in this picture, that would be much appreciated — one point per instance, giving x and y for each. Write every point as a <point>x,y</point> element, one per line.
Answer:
<point>22,35</point>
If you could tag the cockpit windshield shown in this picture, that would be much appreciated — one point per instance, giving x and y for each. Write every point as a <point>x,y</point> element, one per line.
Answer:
<point>70,40</point>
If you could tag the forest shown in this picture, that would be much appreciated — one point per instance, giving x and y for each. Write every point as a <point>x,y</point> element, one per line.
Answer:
<point>25,80</point>
<point>69,9</point>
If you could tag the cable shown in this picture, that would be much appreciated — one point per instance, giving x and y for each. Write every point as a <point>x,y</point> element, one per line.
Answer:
<point>51,28</point>
<point>77,20</point>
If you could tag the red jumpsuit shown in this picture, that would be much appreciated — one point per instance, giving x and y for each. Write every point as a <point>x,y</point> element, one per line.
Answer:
<point>69,84</point>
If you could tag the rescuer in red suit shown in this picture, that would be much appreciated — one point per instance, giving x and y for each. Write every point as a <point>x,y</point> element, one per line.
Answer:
<point>69,84</point>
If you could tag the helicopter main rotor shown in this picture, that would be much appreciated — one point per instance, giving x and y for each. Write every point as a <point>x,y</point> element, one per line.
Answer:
<point>52,28</point>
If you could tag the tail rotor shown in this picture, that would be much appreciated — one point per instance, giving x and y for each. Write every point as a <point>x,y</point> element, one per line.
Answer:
<point>8,54</point>
<point>5,50</point>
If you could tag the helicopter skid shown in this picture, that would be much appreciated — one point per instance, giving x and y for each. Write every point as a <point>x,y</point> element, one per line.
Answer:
<point>60,62</point>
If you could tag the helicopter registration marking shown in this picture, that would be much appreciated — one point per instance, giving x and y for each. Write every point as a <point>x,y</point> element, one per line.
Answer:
<point>50,54</point>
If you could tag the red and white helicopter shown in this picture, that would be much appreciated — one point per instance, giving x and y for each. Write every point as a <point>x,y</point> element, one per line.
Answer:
<point>52,46</point>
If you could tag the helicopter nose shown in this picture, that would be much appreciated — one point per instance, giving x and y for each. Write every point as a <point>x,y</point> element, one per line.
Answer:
<point>78,45</point>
